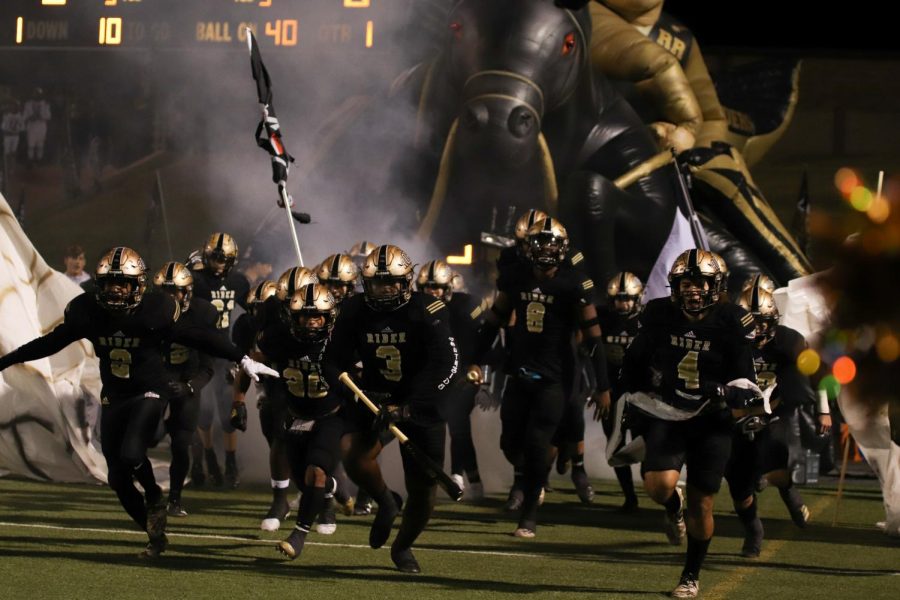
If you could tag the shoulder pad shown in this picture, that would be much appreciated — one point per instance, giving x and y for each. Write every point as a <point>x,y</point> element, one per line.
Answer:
<point>78,310</point>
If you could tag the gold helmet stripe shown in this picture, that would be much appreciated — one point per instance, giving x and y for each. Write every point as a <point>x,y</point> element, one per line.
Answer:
<point>116,262</point>
<point>170,272</point>
<point>622,282</point>
<point>754,299</point>
<point>220,242</point>
<point>335,266</point>
<point>431,266</point>
<point>382,259</point>
<point>310,295</point>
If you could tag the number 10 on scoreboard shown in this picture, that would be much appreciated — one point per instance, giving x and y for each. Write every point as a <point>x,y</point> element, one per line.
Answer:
<point>110,31</point>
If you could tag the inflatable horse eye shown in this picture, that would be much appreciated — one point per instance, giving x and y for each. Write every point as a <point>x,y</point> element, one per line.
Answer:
<point>568,44</point>
<point>456,28</point>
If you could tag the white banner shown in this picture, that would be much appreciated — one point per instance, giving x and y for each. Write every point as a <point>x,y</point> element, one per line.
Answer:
<point>45,432</point>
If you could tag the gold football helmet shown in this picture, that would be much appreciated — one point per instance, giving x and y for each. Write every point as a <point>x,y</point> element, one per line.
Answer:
<point>176,279</point>
<point>436,278</point>
<point>763,282</point>
<point>701,269</point>
<point>259,294</point>
<point>121,278</point>
<point>457,282</point>
<point>292,280</point>
<point>306,305</point>
<point>625,293</point>
<point>359,252</point>
<point>548,242</point>
<point>387,278</point>
<point>761,304</point>
<point>340,274</point>
<point>219,254</point>
<point>524,223</point>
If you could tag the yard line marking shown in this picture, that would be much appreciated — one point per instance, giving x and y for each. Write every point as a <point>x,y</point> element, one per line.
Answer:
<point>207,536</point>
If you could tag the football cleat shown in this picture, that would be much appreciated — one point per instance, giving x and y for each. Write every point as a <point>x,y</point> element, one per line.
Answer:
<point>155,547</point>
<point>156,519</point>
<point>175,509</point>
<point>405,561</point>
<point>384,520</point>
<point>794,503</point>
<point>278,512</point>
<point>293,545</point>
<point>629,506</point>
<point>688,587</point>
<point>542,496</point>
<point>583,487</point>
<point>362,508</point>
<point>674,524</point>
<point>515,500</point>
<point>327,522</point>
<point>458,480</point>
<point>524,532</point>
<point>753,538</point>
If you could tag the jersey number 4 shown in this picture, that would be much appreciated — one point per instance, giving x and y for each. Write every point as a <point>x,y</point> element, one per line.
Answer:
<point>391,356</point>
<point>689,370</point>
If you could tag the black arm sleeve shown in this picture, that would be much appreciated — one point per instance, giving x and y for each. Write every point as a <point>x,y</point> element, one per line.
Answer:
<point>594,347</point>
<point>207,340</point>
<point>636,363</point>
<point>442,364</point>
<point>205,371</point>
<point>63,335</point>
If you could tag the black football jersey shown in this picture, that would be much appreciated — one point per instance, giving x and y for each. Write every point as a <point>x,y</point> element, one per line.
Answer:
<point>301,385</point>
<point>776,366</point>
<point>408,353</point>
<point>547,315</point>
<point>618,332</point>
<point>222,292</point>
<point>183,362</point>
<point>244,332</point>
<point>130,345</point>
<point>466,314</point>
<point>689,354</point>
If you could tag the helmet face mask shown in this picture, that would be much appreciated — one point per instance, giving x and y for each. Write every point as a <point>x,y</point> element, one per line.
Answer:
<point>625,293</point>
<point>176,280</point>
<point>695,280</point>
<point>761,304</point>
<point>548,243</point>
<point>436,279</point>
<point>121,280</point>
<point>340,273</point>
<point>523,224</point>
<point>220,254</point>
<point>387,278</point>
<point>311,313</point>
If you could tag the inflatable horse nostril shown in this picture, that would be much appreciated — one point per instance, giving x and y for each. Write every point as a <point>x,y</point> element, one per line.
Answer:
<point>521,122</point>
<point>475,116</point>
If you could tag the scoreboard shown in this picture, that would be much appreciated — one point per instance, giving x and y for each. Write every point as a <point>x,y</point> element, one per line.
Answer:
<point>354,25</point>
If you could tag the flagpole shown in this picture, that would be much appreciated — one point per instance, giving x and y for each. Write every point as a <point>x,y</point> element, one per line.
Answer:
<point>281,160</point>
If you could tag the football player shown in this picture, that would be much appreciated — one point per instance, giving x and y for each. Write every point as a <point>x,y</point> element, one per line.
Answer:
<point>619,323</point>
<point>130,331</point>
<point>222,286</point>
<point>408,360</point>
<point>294,346</point>
<point>188,371</point>
<point>699,352</point>
<point>550,304</point>
<point>436,279</point>
<point>766,452</point>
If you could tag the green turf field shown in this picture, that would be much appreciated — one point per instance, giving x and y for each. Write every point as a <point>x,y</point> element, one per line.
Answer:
<point>73,541</point>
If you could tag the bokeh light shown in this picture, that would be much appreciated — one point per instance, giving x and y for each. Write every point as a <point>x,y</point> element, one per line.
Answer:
<point>879,210</point>
<point>861,198</point>
<point>831,386</point>
<point>846,180</point>
<point>808,361</point>
<point>888,347</point>
<point>844,370</point>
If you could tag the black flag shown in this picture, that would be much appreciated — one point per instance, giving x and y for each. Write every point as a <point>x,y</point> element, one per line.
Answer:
<point>268,133</point>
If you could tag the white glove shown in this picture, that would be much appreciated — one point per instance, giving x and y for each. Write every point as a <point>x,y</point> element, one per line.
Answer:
<point>254,369</point>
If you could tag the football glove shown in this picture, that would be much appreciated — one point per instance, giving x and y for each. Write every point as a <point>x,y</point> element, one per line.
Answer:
<point>239,416</point>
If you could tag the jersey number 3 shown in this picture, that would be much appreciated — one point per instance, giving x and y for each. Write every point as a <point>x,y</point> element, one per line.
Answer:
<point>391,356</point>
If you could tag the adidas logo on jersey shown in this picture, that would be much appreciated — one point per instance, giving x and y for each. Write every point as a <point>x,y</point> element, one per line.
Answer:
<point>690,334</point>
<point>118,334</point>
<point>536,290</point>
<point>387,330</point>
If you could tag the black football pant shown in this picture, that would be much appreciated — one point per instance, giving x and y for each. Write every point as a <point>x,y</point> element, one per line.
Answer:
<point>184,413</point>
<point>530,415</point>
<point>127,428</point>
<point>458,414</point>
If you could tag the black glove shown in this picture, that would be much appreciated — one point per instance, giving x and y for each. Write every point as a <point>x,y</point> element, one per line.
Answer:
<point>179,389</point>
<point>239,416</point>
<point>389,415</point>
<point>734,397</point>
